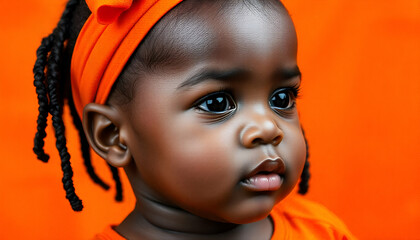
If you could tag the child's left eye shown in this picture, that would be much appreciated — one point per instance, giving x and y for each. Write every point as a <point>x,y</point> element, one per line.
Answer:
<point>219,102</point>
<point>283,99</point>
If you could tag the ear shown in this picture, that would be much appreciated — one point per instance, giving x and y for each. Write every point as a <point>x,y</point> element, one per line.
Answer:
<point>102,125</point>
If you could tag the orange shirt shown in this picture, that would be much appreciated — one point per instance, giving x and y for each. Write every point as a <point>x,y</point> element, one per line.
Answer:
<point>294,218</point>
<point>108,234</point>
<point>298,218</point>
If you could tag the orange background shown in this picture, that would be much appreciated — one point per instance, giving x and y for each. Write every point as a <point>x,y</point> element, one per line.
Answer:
<point>360,107</point>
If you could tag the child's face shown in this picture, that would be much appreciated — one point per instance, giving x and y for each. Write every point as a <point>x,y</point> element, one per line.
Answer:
<point>199,131</point>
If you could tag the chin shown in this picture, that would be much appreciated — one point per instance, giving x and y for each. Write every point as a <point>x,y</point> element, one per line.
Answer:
<point>252,212</point>
<point>250,218</point>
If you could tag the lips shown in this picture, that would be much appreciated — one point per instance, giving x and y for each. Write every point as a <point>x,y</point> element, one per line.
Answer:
<point>266,176</point>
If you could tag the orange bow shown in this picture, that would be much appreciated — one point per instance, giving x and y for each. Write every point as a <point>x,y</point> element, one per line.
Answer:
<point>106,42</point>
<point>107,11</point>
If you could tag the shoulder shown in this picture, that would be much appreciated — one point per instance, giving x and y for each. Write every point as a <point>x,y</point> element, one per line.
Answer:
<point>299,218</point>
<point>108,234</point>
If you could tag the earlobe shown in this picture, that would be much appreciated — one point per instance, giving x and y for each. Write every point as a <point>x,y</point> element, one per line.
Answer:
<point>102,125</point>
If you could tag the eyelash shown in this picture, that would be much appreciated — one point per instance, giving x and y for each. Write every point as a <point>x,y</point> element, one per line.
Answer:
<point>295,90</point>
<point>201,105</point>
<point>198,104</point>
<point>289,94</point>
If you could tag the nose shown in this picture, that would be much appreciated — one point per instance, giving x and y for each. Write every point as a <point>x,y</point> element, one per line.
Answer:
<point>261,130</point>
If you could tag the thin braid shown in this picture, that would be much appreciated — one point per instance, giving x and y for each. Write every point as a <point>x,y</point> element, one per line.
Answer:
<point>306,175</point>
<point>56,105</point>
<point>58,37</point>
<point>41,90</point>
<point>85,148</point>
<point>118,185</point>
<point>51,93</point>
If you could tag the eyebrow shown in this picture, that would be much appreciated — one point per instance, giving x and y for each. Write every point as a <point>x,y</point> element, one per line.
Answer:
<point>227,75</point>
<point>288,73</point>
<point>220,75</point>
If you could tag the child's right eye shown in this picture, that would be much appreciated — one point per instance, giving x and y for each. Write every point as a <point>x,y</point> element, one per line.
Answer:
<point>216,103</point>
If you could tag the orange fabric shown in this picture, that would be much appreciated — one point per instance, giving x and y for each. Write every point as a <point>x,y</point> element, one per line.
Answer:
<point>293,218</point>
<point>101,51</point>
<point>109,234</point>
<point>107,11</point>
<point>299,218</point>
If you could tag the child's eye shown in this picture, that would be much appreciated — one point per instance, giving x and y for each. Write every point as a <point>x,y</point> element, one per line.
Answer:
<point>219,102</point>
<point>283,99</point>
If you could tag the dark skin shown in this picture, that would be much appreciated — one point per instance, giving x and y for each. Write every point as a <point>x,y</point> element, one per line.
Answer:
<point>211,144</point>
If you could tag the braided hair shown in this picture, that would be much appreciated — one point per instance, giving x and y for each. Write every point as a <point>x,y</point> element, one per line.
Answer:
<point>51,86</point>
<point>52,83</point>
<point>305,175</point>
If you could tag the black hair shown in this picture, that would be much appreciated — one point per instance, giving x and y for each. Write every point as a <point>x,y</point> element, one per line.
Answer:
<point>52,83</point>
<point>305,175</point>
<point>49,73</point>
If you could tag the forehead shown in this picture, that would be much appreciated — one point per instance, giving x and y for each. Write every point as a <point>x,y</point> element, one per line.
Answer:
<point>206,30</point>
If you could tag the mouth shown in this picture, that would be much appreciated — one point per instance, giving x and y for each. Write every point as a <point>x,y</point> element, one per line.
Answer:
<point>266,176</point>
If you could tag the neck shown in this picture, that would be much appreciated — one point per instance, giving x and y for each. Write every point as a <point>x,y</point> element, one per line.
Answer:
<point>152,219</point>
<point>165,216</point>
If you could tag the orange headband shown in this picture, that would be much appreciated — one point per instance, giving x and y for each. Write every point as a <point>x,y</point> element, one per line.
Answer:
<point>106,42</point>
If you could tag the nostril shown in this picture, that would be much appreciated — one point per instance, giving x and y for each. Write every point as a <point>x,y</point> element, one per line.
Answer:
<point>277,140</point>
<point>256,141</point>
<point>254,135</point>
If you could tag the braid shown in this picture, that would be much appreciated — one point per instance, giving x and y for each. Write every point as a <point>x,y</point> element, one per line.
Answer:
<point>39,83</point>
<point>49,70</point>
<point>61,34</point>
<point>85,147</point>
<point>87,157</point>
<point>305,176</point>
<point>118,185</point>
<point>48,89</point>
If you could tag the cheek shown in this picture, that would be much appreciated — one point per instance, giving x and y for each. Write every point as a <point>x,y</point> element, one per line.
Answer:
<point>189,168</point>
<point>295,154</point>
<point>206,173</point>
